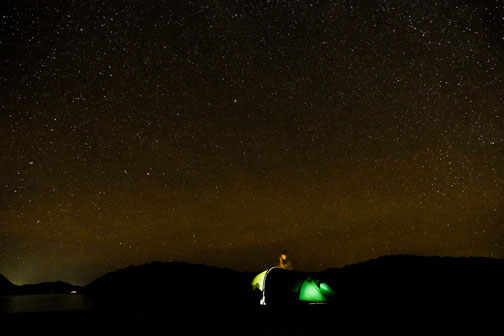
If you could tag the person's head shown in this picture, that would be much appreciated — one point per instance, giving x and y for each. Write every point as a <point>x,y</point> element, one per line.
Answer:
<point>283,254</point>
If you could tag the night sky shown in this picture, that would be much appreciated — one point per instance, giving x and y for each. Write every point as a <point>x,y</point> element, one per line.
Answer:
<point>221,132</point>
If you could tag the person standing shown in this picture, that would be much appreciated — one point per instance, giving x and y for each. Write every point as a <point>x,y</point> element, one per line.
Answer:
<point>284,261</point>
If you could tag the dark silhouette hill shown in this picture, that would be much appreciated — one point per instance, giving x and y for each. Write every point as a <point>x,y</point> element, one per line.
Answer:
<point>400,293</point>
<point>159,286</point>
<point>58,287</point>
<point>397,284</point>
<point>6,287</point>
<point>406,283</point>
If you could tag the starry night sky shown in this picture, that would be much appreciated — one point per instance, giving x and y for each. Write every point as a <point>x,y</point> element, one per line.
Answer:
<point>221,132</point>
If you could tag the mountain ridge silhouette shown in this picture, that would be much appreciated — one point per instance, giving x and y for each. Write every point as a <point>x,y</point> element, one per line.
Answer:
<point>399,279</point>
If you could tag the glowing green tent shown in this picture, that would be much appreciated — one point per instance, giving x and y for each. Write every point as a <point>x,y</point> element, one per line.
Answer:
<point>314,291</point>
<point>279,286</point>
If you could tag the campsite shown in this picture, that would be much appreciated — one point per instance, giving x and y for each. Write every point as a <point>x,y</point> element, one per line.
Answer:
<point>393,292</point>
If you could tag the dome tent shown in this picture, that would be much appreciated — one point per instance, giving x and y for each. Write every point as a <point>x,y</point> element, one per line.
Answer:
<point>258,282</point>
<point>314,291</point>
<point>280,287</point>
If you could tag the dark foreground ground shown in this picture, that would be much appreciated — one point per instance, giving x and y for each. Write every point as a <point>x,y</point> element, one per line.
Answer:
<point>257,320</point>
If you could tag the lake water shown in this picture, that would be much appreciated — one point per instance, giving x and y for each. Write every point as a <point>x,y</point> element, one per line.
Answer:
<point>43,303</point>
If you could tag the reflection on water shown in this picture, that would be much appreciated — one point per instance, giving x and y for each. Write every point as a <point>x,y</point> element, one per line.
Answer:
<point>43,303</point>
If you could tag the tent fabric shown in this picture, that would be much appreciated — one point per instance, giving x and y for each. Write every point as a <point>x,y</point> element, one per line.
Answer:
<point>310,292</point>
<point>280,287</point>
<point>258,282</point>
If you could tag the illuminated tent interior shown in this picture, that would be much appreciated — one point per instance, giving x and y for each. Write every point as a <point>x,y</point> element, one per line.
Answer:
<point>280,287</point>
